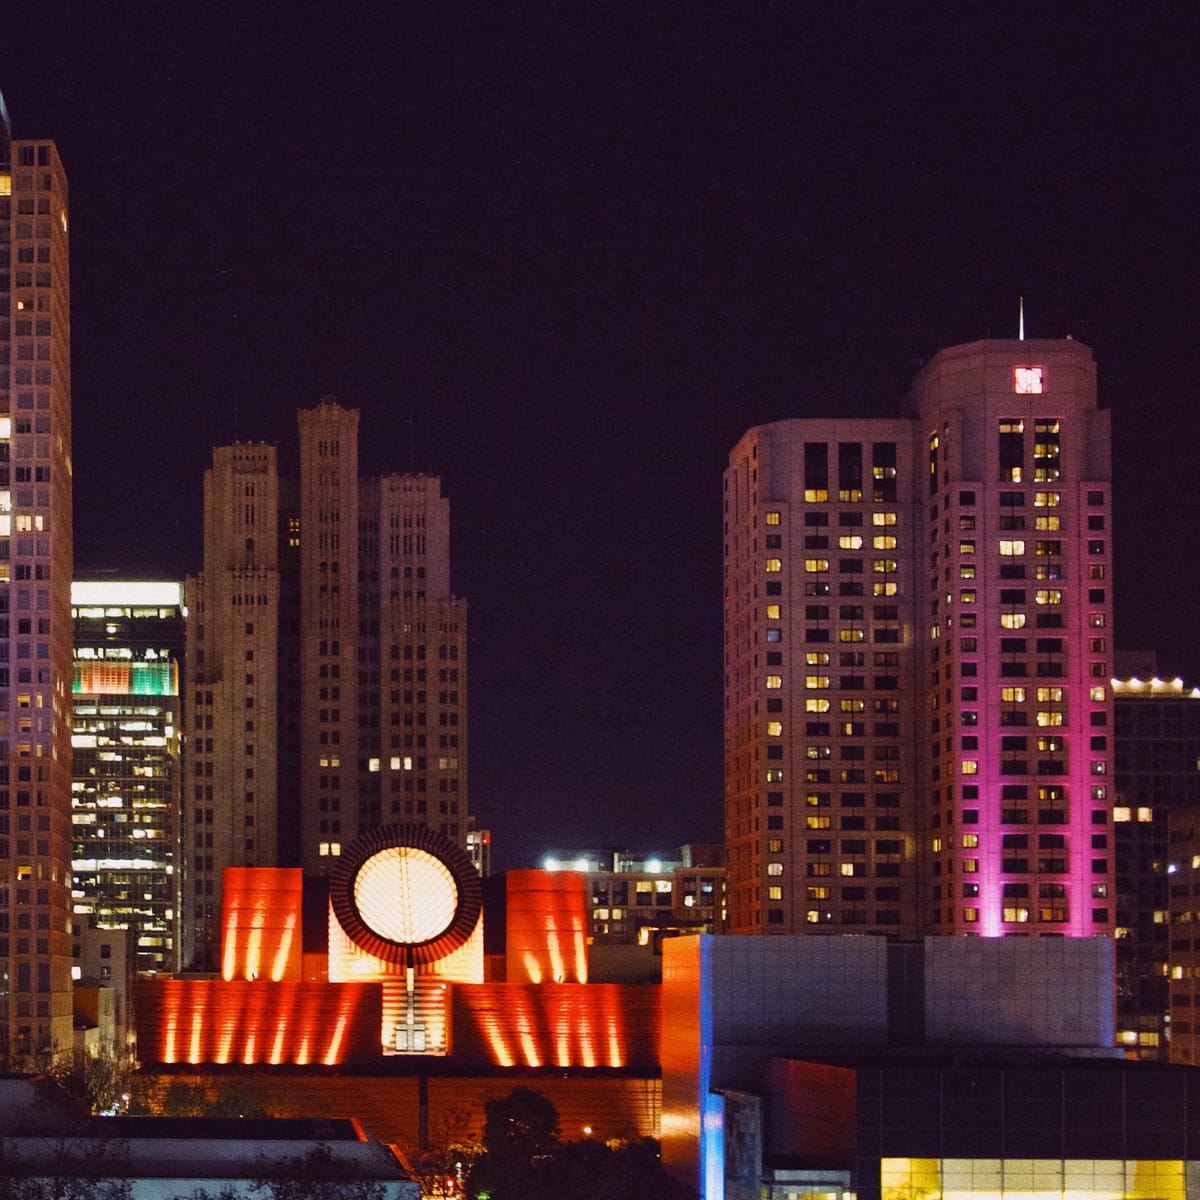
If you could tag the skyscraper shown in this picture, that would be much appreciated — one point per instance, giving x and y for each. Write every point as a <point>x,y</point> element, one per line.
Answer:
<point>35,602</point>
<point>917,658</point>
<point>127,764</point>
<point>326,664</point>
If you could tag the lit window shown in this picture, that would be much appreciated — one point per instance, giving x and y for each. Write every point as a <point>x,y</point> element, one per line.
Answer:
<point>1009,547</point>
<point>1012,695</point>
<point>775,893</point>
<point>773,612</point>
<point>817,658</point>
<point>1122,813</point>
<point>775,868</point>
<point>1048,718</point>
<point>970,866</point>
<point>816,704</point>
<point>1047,499</point>
<point>888,588</point>
<point>970,766</point>
<point>1012,620</point>
<point>970,841</point>
<point>884,541</point>
<point>772,518</point>
<point>1027,381</point>
<point>1052,695</point>
<point>1017,915</point>
<point>971,915</point>
<point>1043,524</point>
<point>816,565</point>
<point>967,596</point>
<point>816,821</point>
<point>774,681</point>
<point>1145,814</point>
<point>850,541</point>
<point>774,729</point>
<point>846,868</point>
<point>1096,694</point>
<point>883,518</point>
<point>774,566</point>
<point>815,681</point>
<point>1047,596</point>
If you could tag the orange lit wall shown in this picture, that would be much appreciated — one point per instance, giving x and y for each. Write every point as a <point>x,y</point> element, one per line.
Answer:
<point>557,1025</point>
<point>547,926</point>
<point>214,1021</point>
<point>261,911</point>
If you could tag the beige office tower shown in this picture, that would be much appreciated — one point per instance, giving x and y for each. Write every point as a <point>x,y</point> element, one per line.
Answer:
<point>328,700</point>
<point>414,743</point>
<point>231,795</point>
<point>820,681</point>
<point>35,605</point>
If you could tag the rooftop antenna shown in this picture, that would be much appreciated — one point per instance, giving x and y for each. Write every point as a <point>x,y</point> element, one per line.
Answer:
<point>1021,320</point>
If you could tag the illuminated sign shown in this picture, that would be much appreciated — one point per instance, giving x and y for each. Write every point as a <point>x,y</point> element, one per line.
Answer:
<point>1027,381</point>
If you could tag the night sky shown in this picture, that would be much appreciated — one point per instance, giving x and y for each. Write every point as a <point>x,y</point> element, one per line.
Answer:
<point>563,255</point>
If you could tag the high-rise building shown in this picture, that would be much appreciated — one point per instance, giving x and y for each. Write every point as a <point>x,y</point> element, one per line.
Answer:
<point>917,637</point>
<point>129,644</point>
<point>1157,772</point>
<point>326,664</point>
<point>35,602</point>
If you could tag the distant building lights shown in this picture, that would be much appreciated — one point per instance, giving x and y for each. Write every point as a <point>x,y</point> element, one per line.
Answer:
<point>653,865</point>
<point>550,864</point>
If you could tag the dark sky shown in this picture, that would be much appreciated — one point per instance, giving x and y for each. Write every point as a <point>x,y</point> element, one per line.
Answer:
<point>581,248</point>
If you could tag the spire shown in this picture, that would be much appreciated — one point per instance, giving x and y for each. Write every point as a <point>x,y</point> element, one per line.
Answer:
<point>1021,320</point>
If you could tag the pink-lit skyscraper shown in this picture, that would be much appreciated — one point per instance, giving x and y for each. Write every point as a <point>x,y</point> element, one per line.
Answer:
<point>918,625</point>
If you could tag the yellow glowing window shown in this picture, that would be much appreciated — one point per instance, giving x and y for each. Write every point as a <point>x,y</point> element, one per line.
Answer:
<point>1010,547</point>
<point>774,681</point>
<point>966,547</point>
<point>970,866</point>
<point>817,799</point>
<point>884,589</point>
<point>1043,524</point>
<point>373,764</point>
<point>775,868</point>
<point>818,893</point>
<point>5,427</point>
<point>817,658</point>
<point>851,635</point>
<point>816,681</point>
<point>5,185</point>
<point>1097,695</point>
<point>1012,695</point>
<point>774,729</point>
<point>1145,814</point>
<point>884,541</point>
<point>966,571</point>
<point>1051,695</point>
<point>816,821</point>
<point>966,596</point>
<point>773,612</point>
<point>970,766</point>
<point>1122,813</point>
<point>775,845</point>
<point>775,893</point>
<point>846,869</point>
<point>812,916</point>
<point>774,566</point>
<point>970,841</point>
<point>936,845</point>
<point>883,518</point>
<point>971,915</point>
<point>1047,596</point>
<point>853,706</point>
<point>884,566</point>
<point>1017,915</point>
<point>850,541</point>
<point>816,565</point>
<point>816,495</point>
<point>816,704</point>
<point>1047,718</point>
<point>772,517</point>
<point>1047,499</point>
<point>1012,620</point>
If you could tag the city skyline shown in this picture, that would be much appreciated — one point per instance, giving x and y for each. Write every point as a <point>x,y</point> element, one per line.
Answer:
<point>565,263</point>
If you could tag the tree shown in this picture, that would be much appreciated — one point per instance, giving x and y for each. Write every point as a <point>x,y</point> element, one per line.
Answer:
<point>440,1167</point>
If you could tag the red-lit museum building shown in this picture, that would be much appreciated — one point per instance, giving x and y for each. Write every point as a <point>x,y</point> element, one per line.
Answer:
<point>401,1014</point>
